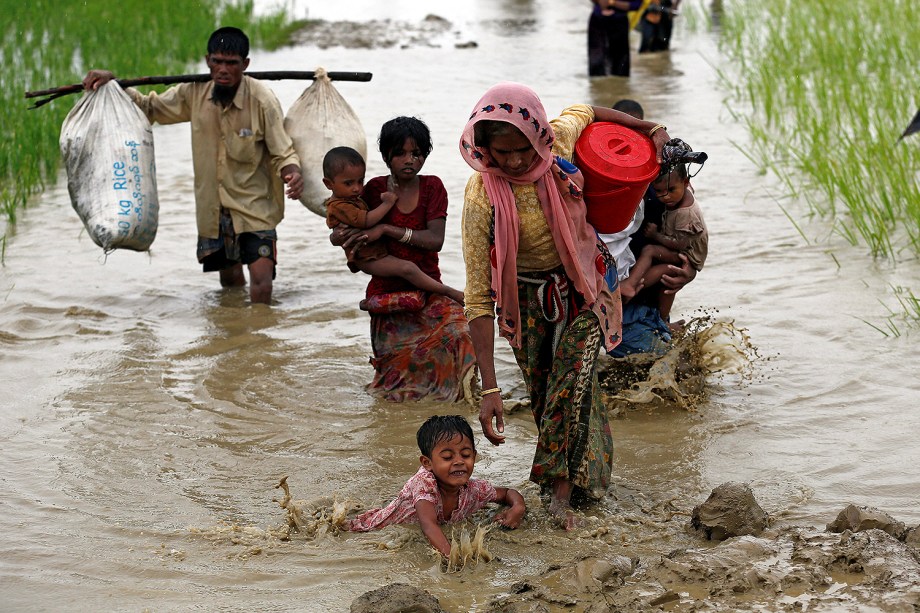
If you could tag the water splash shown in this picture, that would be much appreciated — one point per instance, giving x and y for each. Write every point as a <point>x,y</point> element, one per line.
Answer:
<point>703,348</point>
<point>243,541</point>
<point>469,551</point>
<point>313,518</point>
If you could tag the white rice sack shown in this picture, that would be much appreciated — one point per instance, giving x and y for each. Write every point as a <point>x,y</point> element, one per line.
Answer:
<point>319,120</point>
<point>107,145</point>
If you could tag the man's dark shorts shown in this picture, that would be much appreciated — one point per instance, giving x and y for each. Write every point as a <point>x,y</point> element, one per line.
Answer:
<point>230,249</point>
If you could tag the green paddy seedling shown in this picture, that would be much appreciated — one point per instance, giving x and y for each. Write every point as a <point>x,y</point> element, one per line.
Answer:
<point>828,88</point>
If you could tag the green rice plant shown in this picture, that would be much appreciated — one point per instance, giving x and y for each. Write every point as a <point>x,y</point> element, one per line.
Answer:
<point>271,31</point>
<point>694,17</point>
<point>830,86</point>
<point>889,328</point>
<point>47,43</point>
<point>909,301</point>
<point>795,224</point>
<point>907,313</point>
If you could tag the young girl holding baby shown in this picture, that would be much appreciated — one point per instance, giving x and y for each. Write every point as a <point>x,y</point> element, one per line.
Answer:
<point>343,174</point>
<point>422,346</point>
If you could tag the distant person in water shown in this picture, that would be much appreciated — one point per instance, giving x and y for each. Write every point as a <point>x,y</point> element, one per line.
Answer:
<point>608,37</point>
<point>343,174</point>
<point>657,25</point>
<point>443,490</point>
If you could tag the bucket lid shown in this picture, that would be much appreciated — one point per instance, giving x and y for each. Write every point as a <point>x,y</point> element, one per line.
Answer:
<point>616,153</point>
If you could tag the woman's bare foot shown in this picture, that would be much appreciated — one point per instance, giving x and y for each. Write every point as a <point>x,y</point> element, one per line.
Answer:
<point>559,506</point>
<point>562,512</point>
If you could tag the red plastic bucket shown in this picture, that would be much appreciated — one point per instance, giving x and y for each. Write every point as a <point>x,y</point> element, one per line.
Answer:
<point>618,165</point>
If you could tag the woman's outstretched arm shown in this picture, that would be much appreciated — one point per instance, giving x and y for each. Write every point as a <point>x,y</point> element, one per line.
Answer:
<point>482,333</point>
<point>659,136</point>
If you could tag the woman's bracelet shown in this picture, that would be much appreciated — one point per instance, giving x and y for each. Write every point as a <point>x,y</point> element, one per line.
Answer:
<point>656,128</point>
<point>493,390</point>
<point>407,236</point>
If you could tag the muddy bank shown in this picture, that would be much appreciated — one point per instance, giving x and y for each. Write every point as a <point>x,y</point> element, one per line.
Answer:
<point>795,569</point>
<point>432,31</point>
<point>790,569</point>
<point>638,554</point>
<point>630,554</point>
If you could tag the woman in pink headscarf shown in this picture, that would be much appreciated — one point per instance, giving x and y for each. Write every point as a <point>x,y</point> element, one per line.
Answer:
<point>534,262</point>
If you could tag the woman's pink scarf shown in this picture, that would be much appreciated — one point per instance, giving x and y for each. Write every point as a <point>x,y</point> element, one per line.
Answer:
<point>559,194</point>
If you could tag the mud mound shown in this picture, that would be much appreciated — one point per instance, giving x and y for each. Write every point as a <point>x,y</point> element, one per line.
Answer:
<point>792,570</point>
<point>730,510</point>
<point>433,31</point>
<point>857,519</point>
<point>396,598</point>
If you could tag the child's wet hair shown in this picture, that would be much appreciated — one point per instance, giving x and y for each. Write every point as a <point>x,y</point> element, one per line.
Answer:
<point>395,133</point>
<point>338,159</point>
<point>676,155</point>
<point>678,169</point>
<point>438,428</point>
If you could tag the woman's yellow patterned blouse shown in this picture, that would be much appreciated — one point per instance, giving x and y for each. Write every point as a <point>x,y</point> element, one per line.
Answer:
<point>536,250</point>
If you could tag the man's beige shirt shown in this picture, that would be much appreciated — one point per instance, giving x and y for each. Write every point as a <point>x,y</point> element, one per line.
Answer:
<point>238,151</point>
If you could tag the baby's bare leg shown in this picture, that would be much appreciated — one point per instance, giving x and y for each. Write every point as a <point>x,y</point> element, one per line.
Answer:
<point>633,284</point>
<point>638,277</point>
<point>665,302</point>
<point>653,274</point>
<point>391,266</point>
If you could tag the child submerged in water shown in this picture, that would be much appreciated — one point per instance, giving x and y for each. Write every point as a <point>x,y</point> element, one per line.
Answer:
<point>343,174</point>
<point>442,491</point>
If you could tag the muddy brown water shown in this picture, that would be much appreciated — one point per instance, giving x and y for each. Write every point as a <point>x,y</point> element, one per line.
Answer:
<point>146,415</point>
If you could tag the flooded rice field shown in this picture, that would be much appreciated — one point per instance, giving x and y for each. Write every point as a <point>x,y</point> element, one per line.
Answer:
<point>147,415</point>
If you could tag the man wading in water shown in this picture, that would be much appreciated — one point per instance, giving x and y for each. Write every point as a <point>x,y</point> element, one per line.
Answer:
<point>239,149</point>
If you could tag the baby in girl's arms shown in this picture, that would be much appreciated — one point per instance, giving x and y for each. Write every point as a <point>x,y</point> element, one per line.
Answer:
<point>683,230</point>
<point>343,174</point>
<point>442,491</point>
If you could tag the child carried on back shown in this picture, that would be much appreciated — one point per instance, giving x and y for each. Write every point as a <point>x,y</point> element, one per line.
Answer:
<point>683,230</point>
<point>343,174</point>
<point>442,491</point>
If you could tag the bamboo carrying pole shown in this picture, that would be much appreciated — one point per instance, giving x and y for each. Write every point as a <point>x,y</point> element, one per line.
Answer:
<point>277,75</point>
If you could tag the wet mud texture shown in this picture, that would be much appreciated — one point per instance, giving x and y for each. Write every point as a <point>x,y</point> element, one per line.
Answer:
<point>433,31</point>
<point>792,569</point>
